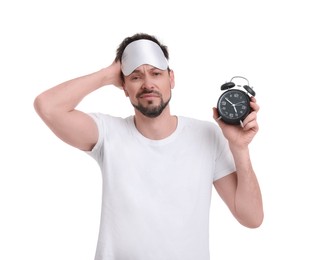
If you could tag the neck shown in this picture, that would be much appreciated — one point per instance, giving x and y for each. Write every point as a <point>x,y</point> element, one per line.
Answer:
<point>156,128</point>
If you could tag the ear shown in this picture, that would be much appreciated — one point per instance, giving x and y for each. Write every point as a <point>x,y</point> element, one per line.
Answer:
<point>125,91</point>
<point>172,79</point>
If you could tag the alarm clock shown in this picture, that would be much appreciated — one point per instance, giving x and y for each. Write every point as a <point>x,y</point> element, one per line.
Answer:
<point>234,104</point>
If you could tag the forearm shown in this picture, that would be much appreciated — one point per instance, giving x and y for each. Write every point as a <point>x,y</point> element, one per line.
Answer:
<point>67,95</point>
<point>248,198</point>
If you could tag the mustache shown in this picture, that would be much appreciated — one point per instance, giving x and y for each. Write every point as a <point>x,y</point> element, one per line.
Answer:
<point>148,91</point>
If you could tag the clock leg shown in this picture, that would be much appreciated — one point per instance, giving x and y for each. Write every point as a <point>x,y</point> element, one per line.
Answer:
<point>219,118</point>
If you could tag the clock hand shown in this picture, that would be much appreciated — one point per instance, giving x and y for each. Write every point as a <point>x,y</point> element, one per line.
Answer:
<point>233,105</point>
<point>237,104</point>
<point>229,101</point>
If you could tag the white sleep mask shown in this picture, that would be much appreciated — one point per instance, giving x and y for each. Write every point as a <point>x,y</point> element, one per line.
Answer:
<point>142,52</point>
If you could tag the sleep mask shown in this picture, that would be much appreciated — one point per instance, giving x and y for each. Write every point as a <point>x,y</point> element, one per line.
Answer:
<point>142,52</point>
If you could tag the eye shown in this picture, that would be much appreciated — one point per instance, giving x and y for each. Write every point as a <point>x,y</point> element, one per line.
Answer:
<point>156,73</point>
<point>135,77</point>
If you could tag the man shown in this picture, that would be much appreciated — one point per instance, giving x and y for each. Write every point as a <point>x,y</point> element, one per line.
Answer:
<point>158,169</point>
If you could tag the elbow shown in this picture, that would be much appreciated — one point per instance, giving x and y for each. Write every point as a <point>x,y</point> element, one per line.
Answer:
<point>40,105</point>
<point>253,222</point>
<point>259,221</point>
<point>37,103</point>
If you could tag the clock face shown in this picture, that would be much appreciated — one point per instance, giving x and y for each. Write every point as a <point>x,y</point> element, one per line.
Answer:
<point>233,106</point>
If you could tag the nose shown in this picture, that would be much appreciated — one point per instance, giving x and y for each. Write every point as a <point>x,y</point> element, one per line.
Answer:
<point>147,83</point>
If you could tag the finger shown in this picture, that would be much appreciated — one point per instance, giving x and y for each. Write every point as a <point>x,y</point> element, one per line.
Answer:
<point>255,107</point>
<point>250,122</point>
<point>253,99</point>
<point>252,116</point>
<point>251,125</point>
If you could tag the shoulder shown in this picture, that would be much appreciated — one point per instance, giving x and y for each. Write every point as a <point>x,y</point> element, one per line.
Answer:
<point>109,127</point>
<point>201,129</point>
<point>198,124</point>
<point>105,119</point>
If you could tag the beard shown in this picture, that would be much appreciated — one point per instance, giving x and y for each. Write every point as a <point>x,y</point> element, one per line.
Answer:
<point>150,110</point>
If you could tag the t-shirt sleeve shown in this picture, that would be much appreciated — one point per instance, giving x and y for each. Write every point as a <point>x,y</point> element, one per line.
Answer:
<point>224,161</point>
<point>97,150</point>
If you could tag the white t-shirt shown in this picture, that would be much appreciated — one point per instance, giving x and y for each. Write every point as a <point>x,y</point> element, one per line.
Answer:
<point>156,193</point>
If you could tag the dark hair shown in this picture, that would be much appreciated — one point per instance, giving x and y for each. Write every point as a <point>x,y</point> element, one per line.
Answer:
<point>139,36</point>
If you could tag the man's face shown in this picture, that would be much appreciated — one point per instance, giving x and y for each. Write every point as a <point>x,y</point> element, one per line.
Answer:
<point>149,89</point>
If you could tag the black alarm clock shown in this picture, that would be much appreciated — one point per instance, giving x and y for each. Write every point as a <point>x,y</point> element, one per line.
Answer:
<point>234,104</point>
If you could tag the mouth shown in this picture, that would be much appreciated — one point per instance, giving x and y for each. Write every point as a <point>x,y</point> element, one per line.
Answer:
<point>149,95</point>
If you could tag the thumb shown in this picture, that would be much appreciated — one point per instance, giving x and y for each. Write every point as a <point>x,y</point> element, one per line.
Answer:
<point>216,116</point>
<point>215,113</point>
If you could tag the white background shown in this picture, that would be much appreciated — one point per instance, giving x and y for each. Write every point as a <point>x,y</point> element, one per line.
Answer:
<point>50,193</point>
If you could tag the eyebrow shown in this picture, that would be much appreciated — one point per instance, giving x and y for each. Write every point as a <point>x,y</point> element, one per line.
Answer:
<point>140,71</point>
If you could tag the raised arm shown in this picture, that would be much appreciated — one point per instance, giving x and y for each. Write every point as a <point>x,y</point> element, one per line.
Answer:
<point>241,190</point>
<point>56,106</point>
